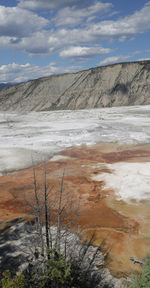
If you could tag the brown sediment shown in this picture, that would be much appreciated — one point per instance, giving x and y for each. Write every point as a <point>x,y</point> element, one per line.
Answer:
<point>125,227</point>
<point>125,155</point>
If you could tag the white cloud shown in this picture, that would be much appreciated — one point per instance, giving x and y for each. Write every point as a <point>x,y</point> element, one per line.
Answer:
<point>143,59</point>
<point>73,16</point>
<point>83,52</point>
<point>121,29</point>
<point>17,22</point>
<point>23,30</point>
<point>119,58</point>
<point>138,22</point>
<point>36,44</point>
<point>49,4</point>
<point>94,32</point>
<point>5,41</point>
<point>114,59</point>
<point>18,73</point>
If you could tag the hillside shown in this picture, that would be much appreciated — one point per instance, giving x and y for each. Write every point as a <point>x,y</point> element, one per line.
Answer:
<point>114,85</point>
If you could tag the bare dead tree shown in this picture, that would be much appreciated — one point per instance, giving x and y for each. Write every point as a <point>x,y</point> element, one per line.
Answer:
<point>46,214</point>
<point>54,212</point>
<point>59,213</point>
<point>38,212</point>
<point>55,215</point>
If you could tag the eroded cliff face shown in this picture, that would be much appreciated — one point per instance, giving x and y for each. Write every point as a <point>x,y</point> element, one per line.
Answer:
<point>114,85</point>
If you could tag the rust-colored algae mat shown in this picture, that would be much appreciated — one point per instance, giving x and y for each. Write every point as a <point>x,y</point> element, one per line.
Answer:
<point>125,227</point>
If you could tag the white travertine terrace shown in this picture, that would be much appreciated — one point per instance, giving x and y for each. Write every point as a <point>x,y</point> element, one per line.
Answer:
<point>33,137</point>
<point>130,181</point>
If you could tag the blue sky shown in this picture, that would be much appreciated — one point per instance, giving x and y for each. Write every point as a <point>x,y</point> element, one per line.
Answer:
<point>43,37</point>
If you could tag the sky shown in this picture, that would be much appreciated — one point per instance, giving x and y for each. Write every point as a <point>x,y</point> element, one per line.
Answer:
<point>44,37</point>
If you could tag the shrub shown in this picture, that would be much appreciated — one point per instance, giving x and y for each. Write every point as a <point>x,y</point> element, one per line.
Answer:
<point>8,282</point>
<point>142,281</point>
<point>57,273</point>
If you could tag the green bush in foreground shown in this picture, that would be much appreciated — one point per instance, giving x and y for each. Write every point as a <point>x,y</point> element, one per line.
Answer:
<point>142,281</point>
<point>8,282</point>
<point>56,272</point>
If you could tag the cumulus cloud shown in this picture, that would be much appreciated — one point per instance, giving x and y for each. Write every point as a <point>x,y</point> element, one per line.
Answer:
<point>73,16</point>
<point>126,27</point>
<point>114,59</point>
<point>17,22</point>
<point>94,32</point>
<point>24,30</point>
<point>19,73</point>
<point>119,58</point>
<point>76,31</point>
<point>50,4</point>
<point>83,52</point>
<point>36,44</point>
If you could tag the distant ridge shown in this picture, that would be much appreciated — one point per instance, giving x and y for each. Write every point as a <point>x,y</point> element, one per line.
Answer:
<point>6,85</point>
<point>118,84</point>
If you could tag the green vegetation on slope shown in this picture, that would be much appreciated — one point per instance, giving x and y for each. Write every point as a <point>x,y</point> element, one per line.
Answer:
<point>142,281</point>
